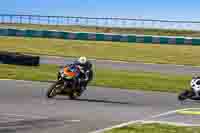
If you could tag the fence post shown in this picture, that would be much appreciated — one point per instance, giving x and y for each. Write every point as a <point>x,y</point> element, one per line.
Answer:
<point>38,19</point>
<point>57,20</point>
<point>2,19</point>
<point>97,23</point>
<point>20,17</point>
<point>48,19</point>
<point>86,21</point>
<point>11,18</point>
<point>29,19</point>
<point>67,20</point>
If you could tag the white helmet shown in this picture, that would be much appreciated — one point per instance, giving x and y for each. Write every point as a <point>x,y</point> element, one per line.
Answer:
<point>82,60</point>
<point>195,84</point>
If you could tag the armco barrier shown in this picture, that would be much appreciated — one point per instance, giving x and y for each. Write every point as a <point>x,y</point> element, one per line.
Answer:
<point>99,36</point>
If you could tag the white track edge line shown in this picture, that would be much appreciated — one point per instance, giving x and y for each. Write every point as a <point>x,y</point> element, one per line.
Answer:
<point>169,123</point>
<point>136,121</point>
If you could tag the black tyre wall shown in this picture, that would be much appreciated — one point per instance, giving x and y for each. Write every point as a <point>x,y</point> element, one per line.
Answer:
<point>19,59</point>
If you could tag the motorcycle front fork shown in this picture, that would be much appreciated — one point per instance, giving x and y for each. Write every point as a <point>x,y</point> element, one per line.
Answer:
<point>196,93</point>
<point>191,93</point>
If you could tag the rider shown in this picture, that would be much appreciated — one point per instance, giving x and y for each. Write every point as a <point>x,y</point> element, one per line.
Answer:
<point>195,85</point>
<point>86,72</point>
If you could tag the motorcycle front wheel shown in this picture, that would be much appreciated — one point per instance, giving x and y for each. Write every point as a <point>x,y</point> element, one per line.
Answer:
<point>52,91</point>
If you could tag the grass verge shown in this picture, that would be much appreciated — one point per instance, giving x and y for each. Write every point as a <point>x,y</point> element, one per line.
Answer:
<point>103,77</point>
<point>164,54</point>
<point>155,128</point>
<point>145,31</point>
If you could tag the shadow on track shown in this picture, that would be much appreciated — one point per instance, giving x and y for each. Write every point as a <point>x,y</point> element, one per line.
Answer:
<point>103,101</point>
<point>97,101</point>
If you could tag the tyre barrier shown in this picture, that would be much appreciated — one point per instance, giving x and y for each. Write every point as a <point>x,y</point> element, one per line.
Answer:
<point>19,59</point>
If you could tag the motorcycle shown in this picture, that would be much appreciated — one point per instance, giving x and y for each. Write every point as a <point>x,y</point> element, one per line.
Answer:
<point>193,93</point>
<point>68,83</point>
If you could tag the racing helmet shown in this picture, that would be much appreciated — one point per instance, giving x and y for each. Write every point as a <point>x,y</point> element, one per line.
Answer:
<point>82,60</point>
<point>195,83</point>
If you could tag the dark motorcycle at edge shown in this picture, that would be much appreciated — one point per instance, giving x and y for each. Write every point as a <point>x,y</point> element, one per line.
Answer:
<point>193,93</point>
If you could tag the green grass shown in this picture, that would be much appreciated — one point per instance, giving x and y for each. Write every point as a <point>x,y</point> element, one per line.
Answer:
<point>108,30</point>
<point>169,54</point>
<point>103,77</point>
<point>155,128</point>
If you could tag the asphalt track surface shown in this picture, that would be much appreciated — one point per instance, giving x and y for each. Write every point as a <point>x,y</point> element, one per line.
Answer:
<point>24,108</point>
<point>133,66</point>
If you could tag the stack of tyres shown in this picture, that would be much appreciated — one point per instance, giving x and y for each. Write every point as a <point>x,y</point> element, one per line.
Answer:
<point>19,59</point>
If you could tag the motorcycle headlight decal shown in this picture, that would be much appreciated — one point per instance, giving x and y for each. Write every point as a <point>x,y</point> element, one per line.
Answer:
<point>68,77</point>
<point>63,75</point>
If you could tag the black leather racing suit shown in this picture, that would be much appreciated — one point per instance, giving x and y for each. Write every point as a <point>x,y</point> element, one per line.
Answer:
<point>86,75</point>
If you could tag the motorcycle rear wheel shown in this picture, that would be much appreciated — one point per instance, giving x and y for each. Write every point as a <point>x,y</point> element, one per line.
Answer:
<point>73,95</point>
<point>185,95</point>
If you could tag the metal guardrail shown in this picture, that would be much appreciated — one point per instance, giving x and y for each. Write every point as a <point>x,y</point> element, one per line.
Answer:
<point>101,22</point>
